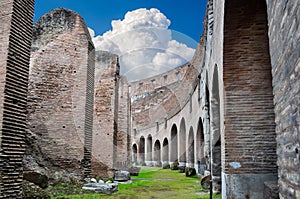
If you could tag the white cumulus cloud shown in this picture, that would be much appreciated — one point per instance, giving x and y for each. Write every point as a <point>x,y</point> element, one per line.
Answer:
<point>144,43</point>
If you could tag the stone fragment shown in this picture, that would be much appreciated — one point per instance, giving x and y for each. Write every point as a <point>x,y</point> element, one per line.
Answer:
<point>174,166</point>
<point>189,171</point>
<point>134,171</point>
<point>107,188</point>
<point>122,176</point>
<point>166,166</point>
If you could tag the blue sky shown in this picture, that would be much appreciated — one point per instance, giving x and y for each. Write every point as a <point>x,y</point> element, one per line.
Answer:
<point>142,35</point>
<point>186,16</point>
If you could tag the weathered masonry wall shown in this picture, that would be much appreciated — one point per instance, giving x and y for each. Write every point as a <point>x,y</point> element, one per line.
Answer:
<point>250,145</point>
<point>166,126</point>
<point>141,88</point>
<point>105,111</point>
<point>284,37</point>
<point>123,138</point>
<point>15,40</point>
<point>60,100</point>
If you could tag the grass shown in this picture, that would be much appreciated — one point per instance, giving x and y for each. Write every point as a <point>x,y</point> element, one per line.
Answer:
<point>154,183</point>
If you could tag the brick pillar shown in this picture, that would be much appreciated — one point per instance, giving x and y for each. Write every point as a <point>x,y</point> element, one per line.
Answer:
<point>15,40</point>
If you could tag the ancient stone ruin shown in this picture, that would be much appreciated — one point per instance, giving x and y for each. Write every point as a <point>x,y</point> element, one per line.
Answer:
<point>60,94</point>
<point>232,112</point>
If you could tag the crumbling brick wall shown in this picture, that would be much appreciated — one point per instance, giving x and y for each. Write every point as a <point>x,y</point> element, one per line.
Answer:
<point>61,87</point>
<point>105,110</point>
<point>123,158</point>
<point>15,40</point>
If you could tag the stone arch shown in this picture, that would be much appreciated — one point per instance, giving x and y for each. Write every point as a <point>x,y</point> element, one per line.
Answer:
<point>182,145</point>
<point>191,148</point>
<point>149,149</point>
<point>200,156</point>
<point>174,144</point>
<point>215,132</point>
<point>165,151</point>
<point>249,133</point>
<point>141,152</point>
<point>157,153</point>
<point>134,154</point>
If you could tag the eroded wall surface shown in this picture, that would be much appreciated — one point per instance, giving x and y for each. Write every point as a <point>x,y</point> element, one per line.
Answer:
<point>284,35</point>
<point>111,129</point>
<point>105,110</point>
<point>123,138</point>
<point>60,98</point>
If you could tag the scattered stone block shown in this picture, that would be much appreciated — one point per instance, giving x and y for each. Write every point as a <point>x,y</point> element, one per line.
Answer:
<point>106,188</point>
<point>166,166</point>
<point>181,168</point>
<point>189,171</point>
<point>122,176</point>
<point>134,171</point>
<point>174,166</point>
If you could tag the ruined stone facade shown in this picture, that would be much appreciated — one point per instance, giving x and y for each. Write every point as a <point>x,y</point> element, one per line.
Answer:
<point>61,95</point>
<point>164,120</point>
<point>15,40</point>
<point>233,110</point>
<point>123,139</point>
<point>248,103</point>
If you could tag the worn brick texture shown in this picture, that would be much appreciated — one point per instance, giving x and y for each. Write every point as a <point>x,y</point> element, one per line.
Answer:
<point>123,139</point>
<point>15,40</point>
<point>249,111</point>
<point>161,103</point>
<point>284,37</point>
<point>105,110</point>
<point>61,91</point>
<point>139,89</point>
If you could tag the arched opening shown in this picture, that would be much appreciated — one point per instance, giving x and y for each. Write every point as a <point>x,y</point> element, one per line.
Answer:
<point>182,146</point>
<point>174,144</point>
<point>249,133</point>
<point>165,152</point>
<point>191,149</point>
<point>215,133</point>
<point>149,150</point>
<point>157,153</point>
<point>134,154</point>
<point>141,154</point>
<point>200,161</point>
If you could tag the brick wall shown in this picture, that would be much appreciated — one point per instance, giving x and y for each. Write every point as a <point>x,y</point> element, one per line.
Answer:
<point>249,114</point>
<point>60,100</point>
<point>105,109</point>
<point>248,131</point>
<point>123,159</point>
<point>164,102</point>
<point>145,86</point>
<point>284,35</point>
<point>15,40</point>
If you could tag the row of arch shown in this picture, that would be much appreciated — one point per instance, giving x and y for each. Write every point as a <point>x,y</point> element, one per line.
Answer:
<point>187,149</point>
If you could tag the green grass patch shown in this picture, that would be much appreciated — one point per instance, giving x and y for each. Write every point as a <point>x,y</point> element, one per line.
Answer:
<point>152,183</point>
